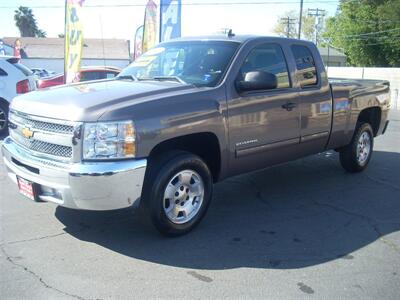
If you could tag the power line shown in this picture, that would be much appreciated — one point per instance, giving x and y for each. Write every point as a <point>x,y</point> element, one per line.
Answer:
<point>335,2</point>
<point>369,33</point>
<point>378,38</point>
<point>316,12</point>
<point>378,21</point>
<point>382,43</point>
<point>372,38</point>
<point>382,40</point>
<point>375,22</point>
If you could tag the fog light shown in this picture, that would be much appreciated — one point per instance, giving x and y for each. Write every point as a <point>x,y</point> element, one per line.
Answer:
<point>50,192</point>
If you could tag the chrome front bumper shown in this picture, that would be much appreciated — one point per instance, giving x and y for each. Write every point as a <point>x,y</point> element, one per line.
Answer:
<point>92,186</point>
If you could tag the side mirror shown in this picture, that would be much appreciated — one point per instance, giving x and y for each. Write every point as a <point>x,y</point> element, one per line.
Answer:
<point>257,80</point>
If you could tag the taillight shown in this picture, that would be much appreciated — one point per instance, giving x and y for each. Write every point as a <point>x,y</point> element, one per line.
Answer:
<point>23,87</point>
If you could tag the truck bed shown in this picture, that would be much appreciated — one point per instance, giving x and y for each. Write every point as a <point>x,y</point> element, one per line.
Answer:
<point>350,96</point>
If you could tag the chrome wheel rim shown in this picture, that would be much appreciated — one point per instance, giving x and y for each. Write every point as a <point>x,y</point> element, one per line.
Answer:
<point>3,119</point>
<point>363,148</point>
<point>183,196</point>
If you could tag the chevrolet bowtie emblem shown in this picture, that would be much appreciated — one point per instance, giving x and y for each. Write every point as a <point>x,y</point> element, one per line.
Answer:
<point>27,133</point>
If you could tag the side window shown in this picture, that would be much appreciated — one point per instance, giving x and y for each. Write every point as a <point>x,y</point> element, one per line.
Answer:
<point>268,58</point>
<point>90,75</point>
<point>102,75</point>
<point>305,64</point>
<point>2,72</point>
<point>110,75</point>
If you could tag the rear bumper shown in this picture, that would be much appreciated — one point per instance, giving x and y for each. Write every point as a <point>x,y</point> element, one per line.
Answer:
<point>92,186</point>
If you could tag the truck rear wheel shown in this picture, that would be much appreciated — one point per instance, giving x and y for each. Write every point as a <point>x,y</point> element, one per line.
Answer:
<point>177,192</point>
<point>356,156</point>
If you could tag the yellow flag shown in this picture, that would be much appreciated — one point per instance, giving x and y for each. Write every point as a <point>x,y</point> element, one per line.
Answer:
<point>73,40</point>
<point>151,26</point>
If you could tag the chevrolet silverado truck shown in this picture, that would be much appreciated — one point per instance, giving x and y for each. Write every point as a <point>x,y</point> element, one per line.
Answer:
<point>188,113</point>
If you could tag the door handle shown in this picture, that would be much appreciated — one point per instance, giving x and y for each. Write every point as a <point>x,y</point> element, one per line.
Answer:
<point>289,106</point>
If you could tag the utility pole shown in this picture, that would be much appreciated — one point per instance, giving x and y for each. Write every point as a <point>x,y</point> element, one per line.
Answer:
<point>319,14</point>
<point>288,21</point>
<point>300,19</point>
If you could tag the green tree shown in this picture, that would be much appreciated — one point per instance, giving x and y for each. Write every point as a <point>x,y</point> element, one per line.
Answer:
<point>307,28</point>
<point>368,31</point>
<point>26,23</point>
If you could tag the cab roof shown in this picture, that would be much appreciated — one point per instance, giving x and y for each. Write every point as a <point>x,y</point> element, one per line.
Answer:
<point>236,38</point>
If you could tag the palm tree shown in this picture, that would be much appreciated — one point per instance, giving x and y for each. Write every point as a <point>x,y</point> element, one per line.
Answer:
<point>26,23</point>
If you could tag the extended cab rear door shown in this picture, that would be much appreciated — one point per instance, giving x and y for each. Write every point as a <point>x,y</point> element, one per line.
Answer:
<point>264,125</point>
<point>315,98</point>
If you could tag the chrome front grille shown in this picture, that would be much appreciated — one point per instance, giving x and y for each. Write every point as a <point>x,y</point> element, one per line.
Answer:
<point>47,138</point>
<point>41,125</point>
<point>42,147</point>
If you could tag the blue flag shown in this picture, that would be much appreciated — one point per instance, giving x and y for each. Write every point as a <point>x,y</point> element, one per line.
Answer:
<point>170,25</point>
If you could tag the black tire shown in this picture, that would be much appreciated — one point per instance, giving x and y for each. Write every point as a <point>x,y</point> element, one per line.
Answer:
<point>349,154</point>
<point>160,173</point>
<point>3,118</point>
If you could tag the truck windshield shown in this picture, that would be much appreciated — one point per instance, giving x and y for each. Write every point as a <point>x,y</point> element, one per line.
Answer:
<point>197,63</point>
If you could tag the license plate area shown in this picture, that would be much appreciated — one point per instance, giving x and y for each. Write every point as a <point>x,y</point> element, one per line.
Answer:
<point>27,188</point>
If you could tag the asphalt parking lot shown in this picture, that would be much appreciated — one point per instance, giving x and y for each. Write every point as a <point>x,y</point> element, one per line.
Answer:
<point>299,230</point>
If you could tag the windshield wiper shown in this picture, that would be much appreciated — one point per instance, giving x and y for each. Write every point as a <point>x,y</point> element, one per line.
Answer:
<point>168,78</point>
<point>131,77</point>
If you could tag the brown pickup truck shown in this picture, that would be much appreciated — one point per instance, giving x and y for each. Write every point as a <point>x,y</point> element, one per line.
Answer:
<point>186,114</point>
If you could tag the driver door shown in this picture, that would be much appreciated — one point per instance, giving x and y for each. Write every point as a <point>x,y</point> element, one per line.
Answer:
<point>264,125</point>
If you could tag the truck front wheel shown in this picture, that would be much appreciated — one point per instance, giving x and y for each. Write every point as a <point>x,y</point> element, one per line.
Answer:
<point>3,117</point>
<point>177,192</point>
<point>356,156</point>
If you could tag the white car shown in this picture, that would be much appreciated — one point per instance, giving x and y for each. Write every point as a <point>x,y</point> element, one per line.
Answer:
<point>15,79</point>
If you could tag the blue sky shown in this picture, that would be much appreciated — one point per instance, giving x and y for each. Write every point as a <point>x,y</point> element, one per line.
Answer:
<point>121,22</point>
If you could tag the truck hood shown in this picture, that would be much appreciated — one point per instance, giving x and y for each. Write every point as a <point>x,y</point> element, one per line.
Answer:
<point>88,101</point>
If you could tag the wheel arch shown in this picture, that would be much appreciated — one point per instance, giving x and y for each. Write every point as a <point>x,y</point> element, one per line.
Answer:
<point>203,144</point>
<point>371,115</point>
<point>3,100</point>
<point>4,124</point>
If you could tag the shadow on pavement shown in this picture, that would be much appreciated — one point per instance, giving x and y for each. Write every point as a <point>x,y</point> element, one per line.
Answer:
<point>295,215</point>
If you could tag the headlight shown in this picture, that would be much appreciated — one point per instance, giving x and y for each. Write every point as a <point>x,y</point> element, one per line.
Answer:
<point>109,140</point>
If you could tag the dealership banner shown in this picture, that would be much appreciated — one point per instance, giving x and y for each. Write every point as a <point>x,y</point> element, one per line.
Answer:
<point>73,40</point>
<point>170,19</point>
<point>138,40</point>
<point>151,25</point>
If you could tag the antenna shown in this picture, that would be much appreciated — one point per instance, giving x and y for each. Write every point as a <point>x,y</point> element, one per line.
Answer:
<point>230,33</point>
